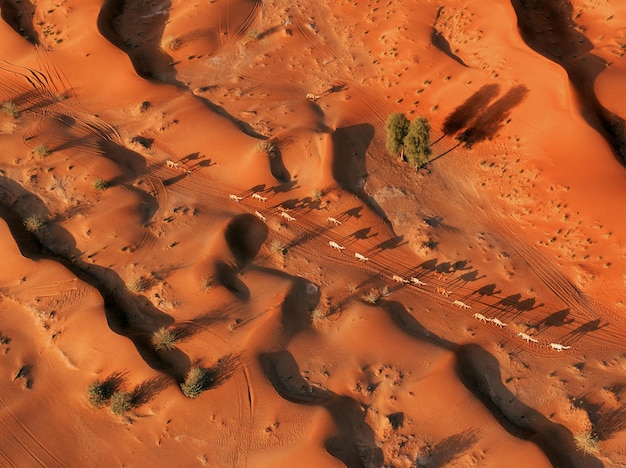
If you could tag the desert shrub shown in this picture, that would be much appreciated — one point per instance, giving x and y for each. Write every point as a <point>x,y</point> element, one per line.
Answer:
<point>397,127</point>
<point>371,297</point>
<point>417,143</point>
<point>41,151</point>
<point>100,184</point>
<point>99,393</point>
<point>170,43</point>
<point>206,284</point>
<point>137,285</point>
<point>278,247</point>
<point>164,338</point>
<point>121,402</point>
<point>9,108</point>
<point>317,194</point>
<point>384,291</point>
<point>352,288</point>
<point>34,223</point>
<point>196,382</point>
<point>586,442</point>
<point>253,35</point>
<point>318,315</point>
<point>266,147</point>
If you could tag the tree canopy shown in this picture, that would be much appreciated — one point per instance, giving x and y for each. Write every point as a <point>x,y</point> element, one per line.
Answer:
<point>397,128</point>
<point>416,143</point>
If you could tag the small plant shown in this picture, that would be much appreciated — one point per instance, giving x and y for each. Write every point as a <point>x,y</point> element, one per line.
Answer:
<point>137,285</point>
<point>206,284</point>
<point>266,147</point>
<point>100,184</point>
<point>586,442</point>
<point>99,393</point>
<point>121,402</point>
<point>318,315</point>
<point>10,109</point>
<point>196,382</point>
<point>170,43</point>
<point>352,288</point>
<point>278,247</point>
<point>34,223</point>
<point>164,338</point>
<point>41,151</point>
<point>253,35</point>
<point>384,291</point>
<point>317,194</point>
<point>371,297</point>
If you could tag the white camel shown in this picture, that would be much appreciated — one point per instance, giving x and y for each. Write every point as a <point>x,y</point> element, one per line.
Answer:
<point>286,215</point>
<point>417,282</point>
<point>172,164</point>
<point>399,279</point>
<point>442,291</point>
<point>481,318</point>
<point>334,221</point>
<point>497,322</point>
<point>461,304</point>
<point>260,216</point>
<point>360,257</point>
<point>235,198</point>
<point>256,196</point>
<point>527,338</point>
<point>558,347</point>
<point>336,246</point>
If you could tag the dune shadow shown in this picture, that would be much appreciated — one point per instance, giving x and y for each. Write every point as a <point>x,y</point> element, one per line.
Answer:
<point>295,311</point>
<point>245,234</point>
<point>480,373</point>
<point>277,166</point>
<point>19,16</point>
<point>227,275</point>
<point>353,441</point>
<point>443,45</point>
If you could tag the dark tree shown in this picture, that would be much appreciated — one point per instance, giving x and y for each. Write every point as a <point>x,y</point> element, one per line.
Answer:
<point>397,127</point>
<point>417,143</point>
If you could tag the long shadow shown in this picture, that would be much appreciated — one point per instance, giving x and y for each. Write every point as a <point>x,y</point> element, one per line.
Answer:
<point>148,58</point>
<point>354,442</point>
<point>443,45</point>
<point>487,124</point>
<point>18,15</point>
<point>480,372</point>
<point>548,27</point>
<point>460,117</point>
<point>556,319</point>
<point>605,422</point>
<point>579,332</point>
<point>245,234</point>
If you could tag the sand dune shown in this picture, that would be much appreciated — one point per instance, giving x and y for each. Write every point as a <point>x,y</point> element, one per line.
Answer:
<point>215,174</point>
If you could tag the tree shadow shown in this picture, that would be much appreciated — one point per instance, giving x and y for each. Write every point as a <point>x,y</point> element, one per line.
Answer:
<point>450,448</point>
<point>148,389</point>
<point>491,120</point>
<point>187,329</point>
<point>460,117</point>
<point>605,422</point>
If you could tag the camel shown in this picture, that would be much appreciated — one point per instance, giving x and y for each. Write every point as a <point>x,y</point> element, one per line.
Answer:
<point>313,97</point>
<point>285,215</point>
<point>235,198</point>
<point>399,279</point>
<point>256,196</point>
<point>260,216</point>
<point>527,338</point>
<point>172,164</point>
<point>497,322</point>
<point>559,347</point>
<point>481,317</point>
<point>334,221</point>
<point>417,282</point>
<point>461,304</point>
<point>443,291</point>
<point>336,246</point>
<point>363,258</point>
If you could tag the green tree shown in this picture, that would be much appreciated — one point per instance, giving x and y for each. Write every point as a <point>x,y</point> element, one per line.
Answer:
<point>417,142</point>
<point>397,127</point>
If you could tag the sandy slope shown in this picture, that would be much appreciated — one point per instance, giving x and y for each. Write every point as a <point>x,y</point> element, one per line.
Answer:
<point>172,104</point>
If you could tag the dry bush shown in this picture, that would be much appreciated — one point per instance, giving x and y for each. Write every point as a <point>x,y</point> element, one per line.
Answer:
<point>121,402</point>
<point>100,184</point>
<point>196,382</point>
<point>34,223</point>
<point>164,338</point>
<point>384,291</point>
<point>170,43</point>
<point>586,442</point>
<point>318,315</point>
<point>371,297</point>
<point>99,393</point>
<point>137,285</point>
<point>206,284</point>
<point>266,147</point>
<point>41,151</point>
<point>278,247</point>
<point>9,108</point>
